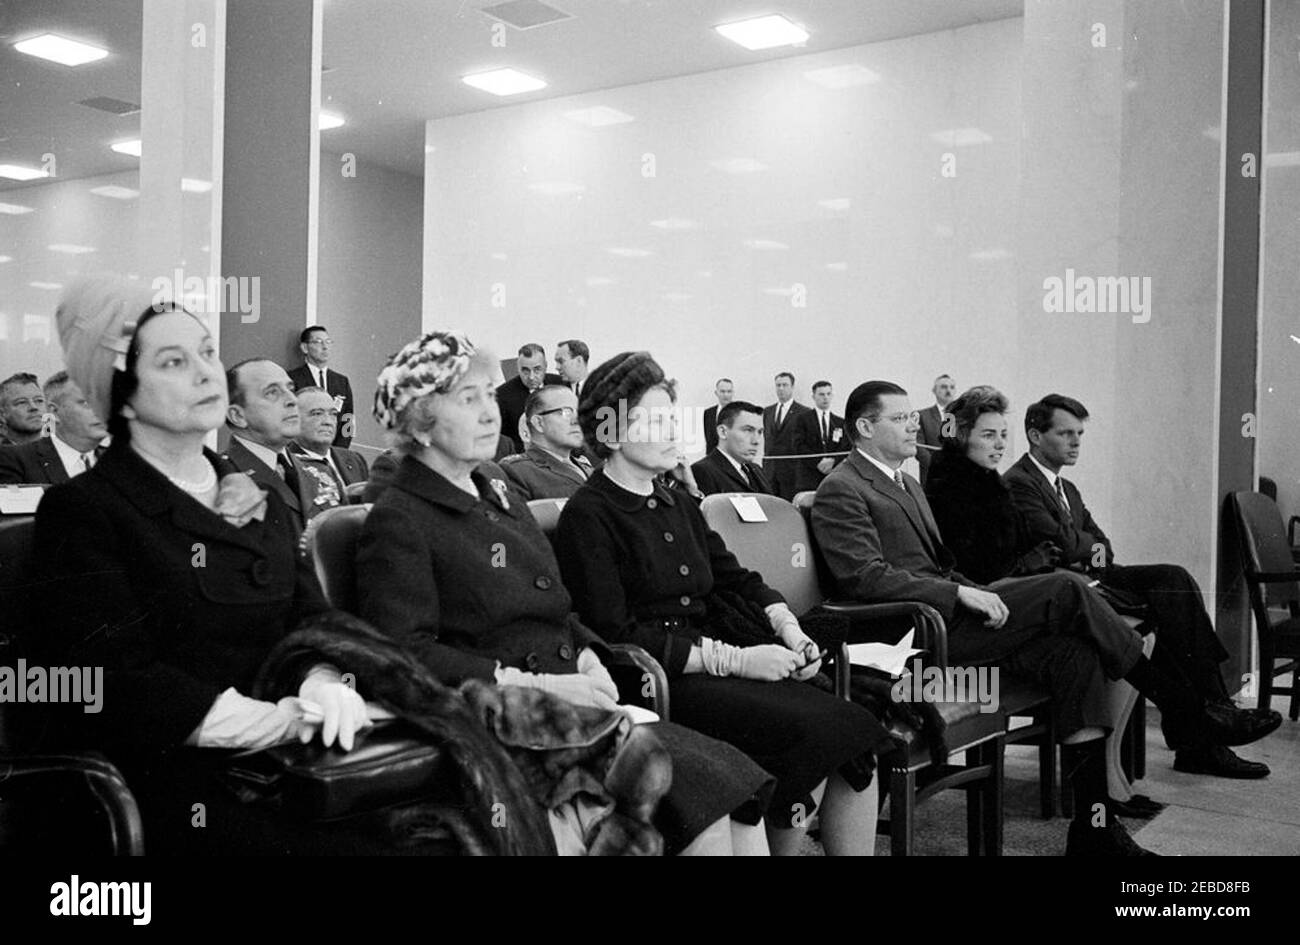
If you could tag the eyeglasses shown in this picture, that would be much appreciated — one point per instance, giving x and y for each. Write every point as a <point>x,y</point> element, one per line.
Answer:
<point>900,418</point>
<point>327,342</point>
<point>567,412</point>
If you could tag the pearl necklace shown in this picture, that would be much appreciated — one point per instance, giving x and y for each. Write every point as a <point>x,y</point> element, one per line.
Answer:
<point>196,488</point>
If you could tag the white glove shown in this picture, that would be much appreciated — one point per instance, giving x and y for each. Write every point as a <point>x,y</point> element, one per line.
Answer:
<point>789,632</point>
<point>578,688</point>
<point>589,664</point>
<point>236,721</point>
<point>343,711</point>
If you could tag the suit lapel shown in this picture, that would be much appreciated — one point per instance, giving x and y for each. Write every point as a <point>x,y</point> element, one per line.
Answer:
<point>546,461</point>
<point>50,461</point>
<point>889,489</point>
<point>1048,493</point>
<point>263,475</point>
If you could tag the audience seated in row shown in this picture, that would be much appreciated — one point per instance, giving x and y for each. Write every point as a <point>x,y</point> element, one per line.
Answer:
<point>71,449</point>
<point>554,465</point>
<point>22,409</point>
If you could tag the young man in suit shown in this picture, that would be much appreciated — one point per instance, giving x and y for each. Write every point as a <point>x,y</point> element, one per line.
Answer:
<point>263,419</point>
<point>553,466</point>
<point>880,543</point>
<point>512,395</point>
<point>1186,644</point>
<point>778,436</point>
<point>316,347</point>
<point>818,431</point>
<point>944,389</point>
<point>72,447</point>
<point>725,391</point>
<point>331,468</point>
<point>572,359</point>
<point>22,409</point>
<point>731,467</point>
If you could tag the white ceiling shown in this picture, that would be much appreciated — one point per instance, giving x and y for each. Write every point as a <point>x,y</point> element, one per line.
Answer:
<point>393,64</point>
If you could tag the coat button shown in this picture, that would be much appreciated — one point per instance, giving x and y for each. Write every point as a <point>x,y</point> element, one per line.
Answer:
<point>566,651</point>
<point>261,572</point>
<point>492,516</point>
<point>685,600</point>
<point>542,582</point>
<point>668,537</point>
<point>532,661</point>
<point>652,503</point>
<point>684,570</point>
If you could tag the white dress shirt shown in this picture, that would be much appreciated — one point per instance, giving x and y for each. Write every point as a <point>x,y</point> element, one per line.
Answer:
<point>1051,478</point>
<point>71,459</point>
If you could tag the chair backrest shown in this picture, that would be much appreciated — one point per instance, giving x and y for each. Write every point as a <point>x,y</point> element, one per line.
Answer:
<point>330,541</point>
<point>547,513</point>
<point>779,549</point>
<point>1264,547</point>
<point>804,500</point>
<point>1268,487</point>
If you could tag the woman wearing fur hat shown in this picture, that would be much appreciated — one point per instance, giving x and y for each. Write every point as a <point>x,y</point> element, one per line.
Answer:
<point>643,567</point>
<point>452,564</point>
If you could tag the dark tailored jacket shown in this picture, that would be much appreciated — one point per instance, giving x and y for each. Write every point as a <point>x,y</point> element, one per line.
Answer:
<point>351,464</point>
<point>978,521</point>
<point>808,439</point>
<point>715,473</point>
<point>711,429</point>
<point>640,567</point>
<point>536,474</point>
<point>384,468</point>
<point>173,601</point>
<point>511,397</point>
<point>295,491</point>
<point>37,461</point>
<point>931,428</point>
<point>878,546</point>
<point>780,442</point>
<point>464,583</point>
<point>1076,534</point>
<point>336,385</point>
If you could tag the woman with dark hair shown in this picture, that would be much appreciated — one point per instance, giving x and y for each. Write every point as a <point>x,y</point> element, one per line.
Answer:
<point>452,564</point>
<point>645,568</point>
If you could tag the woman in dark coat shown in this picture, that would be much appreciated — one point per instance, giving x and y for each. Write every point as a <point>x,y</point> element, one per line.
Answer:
<point>177,575</point>
<point>452,564</point>
<point>644,568</point>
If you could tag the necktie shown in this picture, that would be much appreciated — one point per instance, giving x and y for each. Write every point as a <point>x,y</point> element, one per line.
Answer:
<point>282,466</point>
<point>583,465</point>
<point>744,473</point>
<point>1065,503</point>
<point>826,428</point>
<point>898,478</point>
<point>780,415</point>
<point>87,460</point>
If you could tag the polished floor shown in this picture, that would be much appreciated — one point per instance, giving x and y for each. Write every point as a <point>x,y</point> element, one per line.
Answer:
<point>1205,815</point>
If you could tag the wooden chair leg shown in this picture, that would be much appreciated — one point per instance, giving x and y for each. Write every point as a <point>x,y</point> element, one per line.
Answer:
<point>993,754</point>
<point>902,810</point>
<point>975,809</point>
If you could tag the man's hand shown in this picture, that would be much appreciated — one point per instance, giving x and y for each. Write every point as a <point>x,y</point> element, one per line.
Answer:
<point>986,603</point>
<point>825,465</point>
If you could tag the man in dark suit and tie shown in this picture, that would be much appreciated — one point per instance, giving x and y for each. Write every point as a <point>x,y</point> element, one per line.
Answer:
<point>553,466</point>
<point>944,389</point>
<point>22,409</point>
<point>818,431</point>
<point>316,347</point>
<point>513,394</point>
<point>263,419</point>
<point>71,449</point>
<point>731,467</point>
<point>880,543</point>
<point>331,468</point>
<point>778,437</point>
<point>572,363</point>
<point>724,390</point>
<point>1187,646</point>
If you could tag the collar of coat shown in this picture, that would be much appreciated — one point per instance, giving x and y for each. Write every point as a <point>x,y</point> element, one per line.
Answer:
<point>626,501</point>
<point>419,480</point>
<point>951,470</point>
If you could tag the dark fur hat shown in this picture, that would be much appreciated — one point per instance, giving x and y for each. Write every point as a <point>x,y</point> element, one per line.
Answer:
<point>622,380</point>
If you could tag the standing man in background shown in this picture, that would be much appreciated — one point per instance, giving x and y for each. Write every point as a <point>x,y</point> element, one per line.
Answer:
<point>724,390</point>
<point>778,437</point>
<point>513,394</point>
<point>818,431</point>
<point>316,346</point>
<point>944,389</point>
<point>572,362</point>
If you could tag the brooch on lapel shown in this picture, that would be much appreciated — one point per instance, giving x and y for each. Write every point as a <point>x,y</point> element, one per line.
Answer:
<point>499,488</point>
<point>240,500</point>
<point>836,434</point>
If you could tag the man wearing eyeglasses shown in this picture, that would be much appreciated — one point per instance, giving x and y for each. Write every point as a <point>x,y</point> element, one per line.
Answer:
<point>263,419</point>
<point>880,543</point>
<point>316,347</point>
<point>331,469</point>
<point>553,466</point>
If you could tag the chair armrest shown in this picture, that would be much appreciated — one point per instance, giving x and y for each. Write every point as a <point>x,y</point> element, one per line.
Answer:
<point>104,781</point>
<point>629,654</point>
<point>931,631</point>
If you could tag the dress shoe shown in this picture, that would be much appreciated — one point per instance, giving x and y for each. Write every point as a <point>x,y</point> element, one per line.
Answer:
<point>1110,840</point>
<point>1218,761</point>
<point>1229,725</point>
<point>1137,807</point>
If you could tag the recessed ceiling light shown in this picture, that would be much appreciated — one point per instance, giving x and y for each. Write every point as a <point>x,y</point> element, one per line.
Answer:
<point>627,252</point>
<point>739,165</point>
<point>46,285</point>
<point>192,185</point>
<point>764,32</point>
<point>504,82</point>
<point>674,224</point>
<point>21,172</point>
<point>72,249</point>
<point>842,77</point>
<point>598,116</point>
<point>131,147</point>
<point>60,49</point>
<point>5,259</point>
<point>765,244</point>
<point>835,203</point>
<point>14,208</point>
<point>556,188</point>
<point>116,192</point>
<point>330,120</point>
<point>961,137</point>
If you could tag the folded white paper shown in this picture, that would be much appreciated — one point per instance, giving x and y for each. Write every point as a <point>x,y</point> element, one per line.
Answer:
<point>20,500</point>
<point>889,658</point>
<point>748,508</point>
